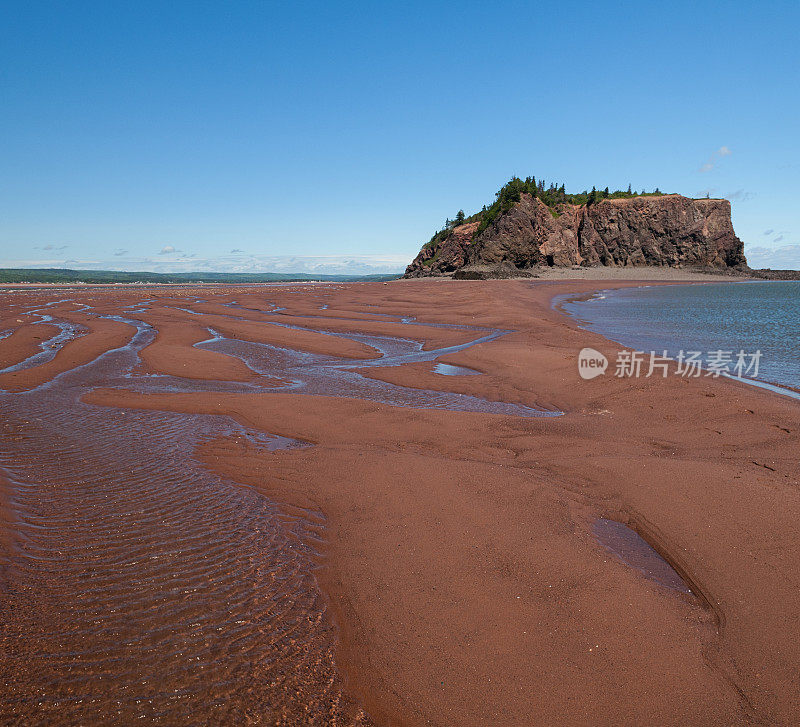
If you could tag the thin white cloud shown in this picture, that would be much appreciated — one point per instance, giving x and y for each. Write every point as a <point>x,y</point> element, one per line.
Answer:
<point>740,195</point>
<point>786,257</point>
<point>320,265</point>
<point>168,250</point>
<point>723,151</point>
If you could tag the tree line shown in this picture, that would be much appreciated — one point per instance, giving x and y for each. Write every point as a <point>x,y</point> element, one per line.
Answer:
<point>551,194</point>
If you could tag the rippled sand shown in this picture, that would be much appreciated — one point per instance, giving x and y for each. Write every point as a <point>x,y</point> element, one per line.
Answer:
<point>381,504</point>
<point>139,584</point>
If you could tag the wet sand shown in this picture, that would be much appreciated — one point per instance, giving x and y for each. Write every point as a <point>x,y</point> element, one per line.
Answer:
<point>23,341</point>
<point>173,352</point>
<point>459,555</point>
<point>101,336</point>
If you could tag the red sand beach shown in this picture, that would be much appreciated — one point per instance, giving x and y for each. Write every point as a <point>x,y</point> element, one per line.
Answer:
<point>454,550</point>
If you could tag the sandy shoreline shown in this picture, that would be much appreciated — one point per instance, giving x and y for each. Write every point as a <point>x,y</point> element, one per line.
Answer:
<point>460,561</point>
<point>665,274</point>
<point>600,273</point>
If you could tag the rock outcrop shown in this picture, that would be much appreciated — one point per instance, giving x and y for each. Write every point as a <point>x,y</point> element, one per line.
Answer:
<point>637,231</point>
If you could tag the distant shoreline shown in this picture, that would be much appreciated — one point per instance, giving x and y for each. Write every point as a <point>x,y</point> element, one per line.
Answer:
<point>69,276</point>
<point>644,273</point>
<point>192,284</point>
<point>599,273</point>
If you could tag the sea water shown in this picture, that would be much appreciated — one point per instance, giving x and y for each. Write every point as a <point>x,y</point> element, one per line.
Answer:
<point>739,316</point>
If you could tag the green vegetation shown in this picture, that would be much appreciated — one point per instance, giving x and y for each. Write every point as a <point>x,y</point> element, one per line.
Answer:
<point>52,275</point>
<point>553,195</point>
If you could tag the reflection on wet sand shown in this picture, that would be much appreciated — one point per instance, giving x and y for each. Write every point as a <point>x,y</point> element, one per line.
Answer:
<point>415,547</point>
<point>631,548</point>
<point>138,584</point>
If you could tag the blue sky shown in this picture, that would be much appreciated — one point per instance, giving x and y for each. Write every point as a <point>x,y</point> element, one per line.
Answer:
<point>338,136</point>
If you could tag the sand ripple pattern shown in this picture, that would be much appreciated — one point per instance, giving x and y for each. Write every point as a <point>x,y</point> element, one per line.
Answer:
<point>140,587</point>
<point>137,586</point>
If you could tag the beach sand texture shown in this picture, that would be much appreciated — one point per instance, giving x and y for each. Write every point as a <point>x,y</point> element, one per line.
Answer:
<point>451,568</point>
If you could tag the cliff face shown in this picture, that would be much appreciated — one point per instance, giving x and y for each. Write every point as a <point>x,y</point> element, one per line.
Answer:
<point>649,230</point>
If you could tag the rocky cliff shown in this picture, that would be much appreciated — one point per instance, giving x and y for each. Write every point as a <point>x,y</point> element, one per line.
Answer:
<point>643,230</point>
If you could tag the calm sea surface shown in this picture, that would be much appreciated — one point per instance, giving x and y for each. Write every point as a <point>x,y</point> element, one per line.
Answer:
<point>744,316</point>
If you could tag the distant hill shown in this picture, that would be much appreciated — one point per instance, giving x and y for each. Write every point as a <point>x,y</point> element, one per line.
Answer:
<point>58,275</point>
